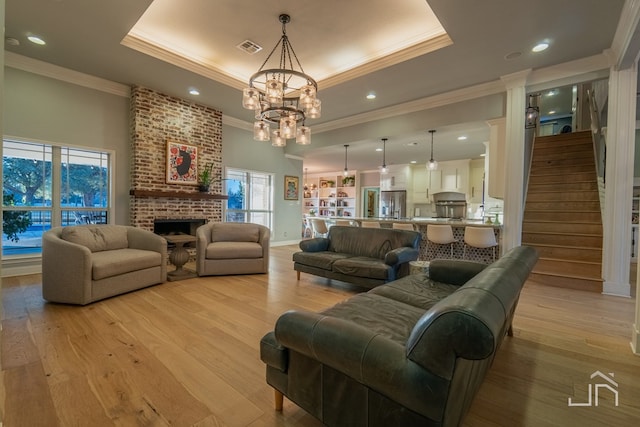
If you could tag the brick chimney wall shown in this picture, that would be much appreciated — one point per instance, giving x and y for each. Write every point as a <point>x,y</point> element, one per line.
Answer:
<point>157,118</point>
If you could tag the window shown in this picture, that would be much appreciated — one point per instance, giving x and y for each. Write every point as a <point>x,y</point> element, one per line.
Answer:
<point>250,197</point>
<point>46,186</point>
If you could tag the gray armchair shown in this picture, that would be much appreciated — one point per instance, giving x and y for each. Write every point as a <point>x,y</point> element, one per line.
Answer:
<point>86,263</point>
<point>224,248</point>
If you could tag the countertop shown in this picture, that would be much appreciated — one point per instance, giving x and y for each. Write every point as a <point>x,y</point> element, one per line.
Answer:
<point>424,220</point>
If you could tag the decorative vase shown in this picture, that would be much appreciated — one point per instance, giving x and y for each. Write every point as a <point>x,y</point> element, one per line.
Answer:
<point>203,188</point>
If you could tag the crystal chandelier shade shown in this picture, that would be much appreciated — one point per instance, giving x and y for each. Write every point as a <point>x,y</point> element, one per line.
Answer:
<point>283,96</point>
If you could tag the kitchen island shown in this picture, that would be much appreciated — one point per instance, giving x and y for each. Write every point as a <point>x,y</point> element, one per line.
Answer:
<point>442,251</point>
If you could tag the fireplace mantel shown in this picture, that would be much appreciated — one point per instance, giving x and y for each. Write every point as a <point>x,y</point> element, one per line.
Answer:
<point>177,194</point>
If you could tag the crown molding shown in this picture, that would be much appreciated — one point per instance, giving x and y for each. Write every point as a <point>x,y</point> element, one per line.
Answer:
<point>237,123</point>
<point>46,69</point>
<point>392,58</point>
<point>201,67</point>
<point>452,97</point>
<point>213,71</point>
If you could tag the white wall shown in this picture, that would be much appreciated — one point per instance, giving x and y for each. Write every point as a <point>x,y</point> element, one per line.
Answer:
<point>240,150</point>
<point>44,109</point>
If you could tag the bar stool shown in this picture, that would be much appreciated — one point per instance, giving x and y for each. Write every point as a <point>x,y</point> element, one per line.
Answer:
<point>440,234</point>
<point>307,227</point>
<point>479,237</point>
<point>370,224</point>
<point>402,226</point>
<point>344,222</point>
<point>319,227</point>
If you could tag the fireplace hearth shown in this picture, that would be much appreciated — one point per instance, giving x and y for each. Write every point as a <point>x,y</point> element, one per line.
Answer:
<point>167,227</point>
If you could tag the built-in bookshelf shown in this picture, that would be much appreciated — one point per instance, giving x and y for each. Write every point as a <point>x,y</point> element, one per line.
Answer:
<point>330,195</point>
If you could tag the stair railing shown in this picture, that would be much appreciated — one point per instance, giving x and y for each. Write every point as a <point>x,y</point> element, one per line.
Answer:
<point>599,146</point>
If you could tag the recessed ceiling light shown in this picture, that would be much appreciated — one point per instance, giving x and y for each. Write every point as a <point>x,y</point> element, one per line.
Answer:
<point>412,144</point>
<point>371,95</point>
<point>36,40</point>
<point>194,91</point>
<point>413,162</point>
<point>12,41</point>
<point>540,47</point>
<point>552,112</point>
<point>462,137</point>
<point>378,149</point>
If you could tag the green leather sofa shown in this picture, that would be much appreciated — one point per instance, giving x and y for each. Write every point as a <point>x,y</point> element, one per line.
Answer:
<point>411,352</point>
<point>366,257</point>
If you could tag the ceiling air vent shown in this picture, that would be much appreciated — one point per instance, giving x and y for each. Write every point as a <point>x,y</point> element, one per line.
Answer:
<point>249,47</point>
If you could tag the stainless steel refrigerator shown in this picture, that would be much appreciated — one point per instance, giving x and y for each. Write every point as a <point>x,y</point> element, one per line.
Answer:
<point>393,204</point>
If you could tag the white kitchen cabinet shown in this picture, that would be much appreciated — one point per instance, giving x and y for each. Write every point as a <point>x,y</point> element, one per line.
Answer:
<point>454,176</point>
<point>434,183</point>
<point>420,183</point>
<point>397,178</point>
<point>476,181</point>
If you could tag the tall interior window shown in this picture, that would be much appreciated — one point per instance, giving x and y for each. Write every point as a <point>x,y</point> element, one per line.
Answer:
<point>46,186</point>
<point>250,197</point>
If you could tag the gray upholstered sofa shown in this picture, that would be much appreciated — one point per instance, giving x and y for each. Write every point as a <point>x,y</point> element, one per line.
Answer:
<point>86,263</point>
<point>232,248</point>
<point>411,352</point>
<point>364,256</point>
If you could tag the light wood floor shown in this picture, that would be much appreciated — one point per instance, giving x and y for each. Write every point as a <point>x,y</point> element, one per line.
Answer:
<point>186,354</point>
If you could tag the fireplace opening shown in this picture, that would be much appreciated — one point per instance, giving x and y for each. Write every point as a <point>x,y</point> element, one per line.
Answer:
<point>167,227</point>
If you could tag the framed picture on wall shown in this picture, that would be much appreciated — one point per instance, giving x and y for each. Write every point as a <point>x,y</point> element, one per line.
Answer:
<point>182,163</point>
<point>291,187</point>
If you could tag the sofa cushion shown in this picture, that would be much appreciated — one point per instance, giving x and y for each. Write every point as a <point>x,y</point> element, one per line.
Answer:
<point>97,238</point>
<point>231,232</point>
<point>112,263</point>
<point>361,266</point>
<point>381,315</point>
<point>233,250</point>
<point>323,260</point>
<point>370,242</point>
<point>417,290</point>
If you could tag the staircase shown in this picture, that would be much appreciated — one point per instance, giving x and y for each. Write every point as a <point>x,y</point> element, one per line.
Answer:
<point>562,217</point>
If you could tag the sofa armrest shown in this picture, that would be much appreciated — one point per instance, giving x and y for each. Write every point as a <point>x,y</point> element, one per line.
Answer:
<point>71,284</point>
<point>365,356</point>
<point>401,255</point>
<point>317,244</point>
<point>146,240</point>
<point>454,271</point>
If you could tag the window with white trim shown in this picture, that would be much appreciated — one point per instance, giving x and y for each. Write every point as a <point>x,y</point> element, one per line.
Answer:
<point>250,196</point>
<point>46,185</point>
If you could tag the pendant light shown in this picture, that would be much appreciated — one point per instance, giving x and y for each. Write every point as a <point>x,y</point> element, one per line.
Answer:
<point>345,172</point>
<point>383,169</point>
<point>432,165</point>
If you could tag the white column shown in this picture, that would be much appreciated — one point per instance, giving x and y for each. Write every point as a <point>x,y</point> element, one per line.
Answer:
<point>514,159</point>
<point>620,140</point>
<point>494,159</point>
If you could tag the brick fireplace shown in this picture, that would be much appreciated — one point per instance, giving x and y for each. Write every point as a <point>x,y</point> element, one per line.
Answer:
<point>157,118</point>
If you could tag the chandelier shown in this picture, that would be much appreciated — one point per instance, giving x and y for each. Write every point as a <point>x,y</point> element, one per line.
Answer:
<point>283,96</point>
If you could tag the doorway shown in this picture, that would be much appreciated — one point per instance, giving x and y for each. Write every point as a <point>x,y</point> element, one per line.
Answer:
<point>370,201</point>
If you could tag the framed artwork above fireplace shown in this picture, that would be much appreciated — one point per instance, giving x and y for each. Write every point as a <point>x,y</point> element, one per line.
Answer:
<point>182,163</point>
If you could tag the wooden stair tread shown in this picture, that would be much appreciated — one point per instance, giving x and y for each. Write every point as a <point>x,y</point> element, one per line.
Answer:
<point>573,261</point>
<point>550,221</point>
<point>551,245</point>
<point>571,276</point>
